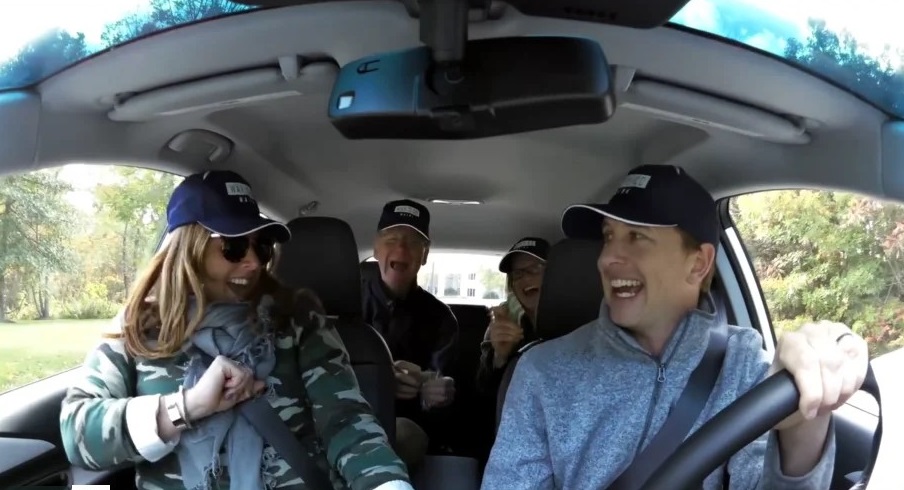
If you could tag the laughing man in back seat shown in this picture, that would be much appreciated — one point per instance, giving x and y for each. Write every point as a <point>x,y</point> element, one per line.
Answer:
<point>420,330</point>
<point>627,368</point>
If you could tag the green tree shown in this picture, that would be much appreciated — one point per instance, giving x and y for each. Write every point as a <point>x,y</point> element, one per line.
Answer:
<point>492,281</point>
<point>43,57</point>
<point>834,255</point>
<point>35,224</point>
<point>828,255</point>
<point>132,211</point>
<point>839,57</point>
<point>163,14</point>
<point>58,48</point>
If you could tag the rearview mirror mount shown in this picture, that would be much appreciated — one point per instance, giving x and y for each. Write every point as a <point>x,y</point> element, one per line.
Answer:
<point>453,88</point>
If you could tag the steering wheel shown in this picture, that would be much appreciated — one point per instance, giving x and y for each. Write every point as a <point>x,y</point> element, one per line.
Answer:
<point>742,422</point>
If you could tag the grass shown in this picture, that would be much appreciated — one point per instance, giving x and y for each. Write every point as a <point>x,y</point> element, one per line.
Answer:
<point>33,350</point>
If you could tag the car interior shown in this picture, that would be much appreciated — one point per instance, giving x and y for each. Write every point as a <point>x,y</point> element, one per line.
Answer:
<point>332,108</point>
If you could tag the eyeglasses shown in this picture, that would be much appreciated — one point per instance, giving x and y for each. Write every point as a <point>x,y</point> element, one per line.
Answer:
<point>235,248</point>
<point>532,270</point>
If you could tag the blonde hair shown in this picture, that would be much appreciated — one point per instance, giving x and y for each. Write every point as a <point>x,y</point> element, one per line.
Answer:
<point>159,299</point>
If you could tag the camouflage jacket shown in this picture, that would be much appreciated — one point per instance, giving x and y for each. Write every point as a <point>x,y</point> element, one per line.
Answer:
<point>323,407</point>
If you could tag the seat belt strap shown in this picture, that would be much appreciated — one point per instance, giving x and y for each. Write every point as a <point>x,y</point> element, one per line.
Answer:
<point>268,424</point>
<point>681,419</point>
<point>261,415</point>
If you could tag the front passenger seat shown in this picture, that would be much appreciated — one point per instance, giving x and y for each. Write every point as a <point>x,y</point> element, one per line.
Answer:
<point>570,297</point>
<point>323,256</point>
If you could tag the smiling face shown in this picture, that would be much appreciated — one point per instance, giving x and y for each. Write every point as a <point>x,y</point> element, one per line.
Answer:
<point>400,251</point>
<point>525,279</point>
<point>650,279</point>
<point>225,280</point>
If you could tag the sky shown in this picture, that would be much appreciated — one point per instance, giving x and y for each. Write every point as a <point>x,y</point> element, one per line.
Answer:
<point>26,20</point>
<point>765,24</point>
<point>874,22</point>
<point>83,178</point>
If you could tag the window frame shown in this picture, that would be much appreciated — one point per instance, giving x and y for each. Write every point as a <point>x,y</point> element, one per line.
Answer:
<point>743,277</point>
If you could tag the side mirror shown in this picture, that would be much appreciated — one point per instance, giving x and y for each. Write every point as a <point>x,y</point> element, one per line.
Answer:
<point>500,86</point>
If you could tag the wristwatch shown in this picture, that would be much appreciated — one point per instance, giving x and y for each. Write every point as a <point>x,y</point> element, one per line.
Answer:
<point>175,409</point>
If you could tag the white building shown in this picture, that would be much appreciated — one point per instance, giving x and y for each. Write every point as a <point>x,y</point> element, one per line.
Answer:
<point>463,278</point>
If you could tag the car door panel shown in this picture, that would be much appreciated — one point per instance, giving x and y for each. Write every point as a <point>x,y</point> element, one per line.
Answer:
<point>31,450</point>
<point>31,462</point>
<point>854,429</point>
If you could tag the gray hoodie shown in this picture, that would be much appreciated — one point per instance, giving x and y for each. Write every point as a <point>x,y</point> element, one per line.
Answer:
<point>581,407</point>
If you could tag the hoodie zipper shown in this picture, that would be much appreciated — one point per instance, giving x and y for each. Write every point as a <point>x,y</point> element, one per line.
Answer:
<point>657,388</point>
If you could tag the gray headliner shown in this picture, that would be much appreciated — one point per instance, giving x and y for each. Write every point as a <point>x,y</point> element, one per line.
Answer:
<point>291,154</point>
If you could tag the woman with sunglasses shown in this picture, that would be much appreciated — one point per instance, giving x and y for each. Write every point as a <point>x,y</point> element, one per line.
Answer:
<point>205,332</point>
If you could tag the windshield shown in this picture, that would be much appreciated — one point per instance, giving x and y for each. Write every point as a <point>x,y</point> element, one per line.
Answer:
<point>41,37</point>
<point>858,47</point>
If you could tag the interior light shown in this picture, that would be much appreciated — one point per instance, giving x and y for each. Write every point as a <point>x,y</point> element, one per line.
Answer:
<point>456,202</point>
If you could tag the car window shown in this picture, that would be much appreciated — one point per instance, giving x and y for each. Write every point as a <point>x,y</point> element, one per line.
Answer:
<point>828,255</point>
<point>464,278</point>
<point>72,240</point>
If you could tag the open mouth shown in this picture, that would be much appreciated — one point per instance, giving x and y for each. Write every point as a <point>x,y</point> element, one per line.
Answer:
<point>239,285</point>
<point>397,266</point>
<point>626,288</point>
<point>531,290</point>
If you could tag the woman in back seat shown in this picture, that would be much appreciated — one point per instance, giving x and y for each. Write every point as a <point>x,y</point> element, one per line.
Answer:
<point>512,323</point>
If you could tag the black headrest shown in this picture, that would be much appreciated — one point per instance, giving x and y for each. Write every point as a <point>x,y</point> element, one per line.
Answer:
<point>370,269</point>
<point>323,256</point>
<point>572,289</point>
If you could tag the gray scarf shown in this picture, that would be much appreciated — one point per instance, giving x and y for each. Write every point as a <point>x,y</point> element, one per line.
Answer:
<point>227,330</point>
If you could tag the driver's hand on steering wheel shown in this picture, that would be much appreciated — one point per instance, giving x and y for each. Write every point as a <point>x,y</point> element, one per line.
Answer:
<point>828,362</point>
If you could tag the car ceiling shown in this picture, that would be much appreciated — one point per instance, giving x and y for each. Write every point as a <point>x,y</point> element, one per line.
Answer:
<point>736,119</point>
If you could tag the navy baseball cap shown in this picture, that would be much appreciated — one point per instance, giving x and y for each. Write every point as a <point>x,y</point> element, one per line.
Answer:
<point>650,195</point>
<point>406,213</point>
<point>533,246</point>
<point>221,201</point>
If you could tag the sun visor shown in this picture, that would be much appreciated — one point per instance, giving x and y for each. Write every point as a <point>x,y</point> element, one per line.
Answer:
<point>228,91</point>
<point>20,117</point>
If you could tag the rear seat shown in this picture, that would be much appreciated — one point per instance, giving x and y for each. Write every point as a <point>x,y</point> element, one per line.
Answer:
<point>466,437</point>
<point>471,433</point>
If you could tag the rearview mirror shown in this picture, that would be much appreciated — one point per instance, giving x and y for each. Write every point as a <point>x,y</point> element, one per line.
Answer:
<point>502,86</point>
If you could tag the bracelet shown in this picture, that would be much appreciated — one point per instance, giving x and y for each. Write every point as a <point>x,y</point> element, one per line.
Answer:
<point>183,407</point>
<point>175,409</point>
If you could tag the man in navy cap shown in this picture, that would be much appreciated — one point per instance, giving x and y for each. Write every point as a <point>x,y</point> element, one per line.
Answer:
<point>420,330</point>
<point>582,408</point>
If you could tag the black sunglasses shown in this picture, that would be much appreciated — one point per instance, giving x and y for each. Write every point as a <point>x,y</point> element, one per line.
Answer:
<point>235,248</point>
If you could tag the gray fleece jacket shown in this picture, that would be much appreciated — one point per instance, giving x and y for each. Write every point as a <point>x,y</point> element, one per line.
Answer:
<point>581,407</point>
